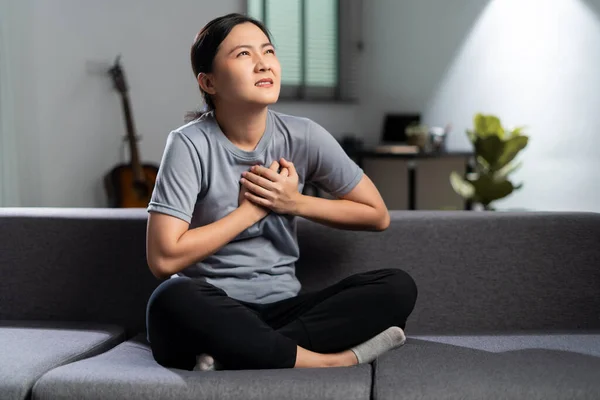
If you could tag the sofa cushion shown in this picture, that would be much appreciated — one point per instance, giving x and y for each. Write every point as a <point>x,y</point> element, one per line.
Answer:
<point>507,367</point>
<point>582,342</point>
<point>129,372</point>
<point>29,349</point>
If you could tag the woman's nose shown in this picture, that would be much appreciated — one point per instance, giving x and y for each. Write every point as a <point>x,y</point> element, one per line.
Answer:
<point>262,64</point>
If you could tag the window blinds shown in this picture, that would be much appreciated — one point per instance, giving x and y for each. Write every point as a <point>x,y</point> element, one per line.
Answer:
<point>317,43</point>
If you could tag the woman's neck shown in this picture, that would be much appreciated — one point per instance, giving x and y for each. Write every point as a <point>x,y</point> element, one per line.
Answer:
<point>243,128</point>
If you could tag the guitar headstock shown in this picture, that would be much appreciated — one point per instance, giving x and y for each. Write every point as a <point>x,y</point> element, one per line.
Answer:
<point>118,76</point>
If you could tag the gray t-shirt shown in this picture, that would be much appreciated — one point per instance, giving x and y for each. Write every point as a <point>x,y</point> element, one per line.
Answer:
<point>199,182</point>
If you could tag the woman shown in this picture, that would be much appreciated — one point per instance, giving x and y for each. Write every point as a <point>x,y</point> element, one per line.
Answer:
<point>222,223</point>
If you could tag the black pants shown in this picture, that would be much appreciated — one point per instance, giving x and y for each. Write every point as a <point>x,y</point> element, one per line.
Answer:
<point>186,317</point>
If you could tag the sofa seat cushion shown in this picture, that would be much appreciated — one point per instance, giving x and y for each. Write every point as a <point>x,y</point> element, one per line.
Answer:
<point>558,366</point>
<point>130,372</point>
<point>31,348</point>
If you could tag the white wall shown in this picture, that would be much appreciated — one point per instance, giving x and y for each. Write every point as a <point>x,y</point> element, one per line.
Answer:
<point>408,46</point>
<point>531,62</point>
<point>70,116</point>
<point>446,59</point>
<point>74,124</point>
<point>542,72</point>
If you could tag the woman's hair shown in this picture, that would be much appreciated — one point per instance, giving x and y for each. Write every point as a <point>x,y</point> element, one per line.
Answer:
<point>205,48</point>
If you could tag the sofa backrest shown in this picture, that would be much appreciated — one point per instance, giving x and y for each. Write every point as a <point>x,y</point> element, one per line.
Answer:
<point>75,265</point>
<point>476,271</point>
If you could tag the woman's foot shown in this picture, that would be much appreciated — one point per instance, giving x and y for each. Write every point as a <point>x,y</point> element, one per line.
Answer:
<point>385,341</point>
<point>366,352</point>
<point>204,362</point>
<point>309,359</point>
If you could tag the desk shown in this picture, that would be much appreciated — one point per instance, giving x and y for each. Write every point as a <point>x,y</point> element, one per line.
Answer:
<point>419,181</point>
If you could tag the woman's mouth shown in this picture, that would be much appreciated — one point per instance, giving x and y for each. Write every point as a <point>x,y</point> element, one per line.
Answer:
<point>264,83</point>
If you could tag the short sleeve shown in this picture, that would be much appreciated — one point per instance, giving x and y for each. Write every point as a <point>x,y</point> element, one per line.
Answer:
<point>329,166</point>
<point>179,179</point>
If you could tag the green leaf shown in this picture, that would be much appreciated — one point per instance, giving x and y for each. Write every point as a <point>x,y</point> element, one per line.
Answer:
<point>482,165</point>
<point>461,186</point>
<point>488,125</point>
<point>518,131</point>
<point>511,148</point>
<point>508,169</point>
<point>488,189</point>
<point>480,124</point>
<point>490,148</point>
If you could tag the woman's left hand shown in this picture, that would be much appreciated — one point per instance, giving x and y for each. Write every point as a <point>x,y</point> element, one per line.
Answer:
<point>276,191</point>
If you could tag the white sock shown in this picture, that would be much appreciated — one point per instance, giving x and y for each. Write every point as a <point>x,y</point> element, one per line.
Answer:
<point>204,362</point>
<point>387,340</point>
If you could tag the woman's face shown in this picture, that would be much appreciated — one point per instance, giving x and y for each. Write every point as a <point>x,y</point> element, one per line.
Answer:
<point>245,68</point>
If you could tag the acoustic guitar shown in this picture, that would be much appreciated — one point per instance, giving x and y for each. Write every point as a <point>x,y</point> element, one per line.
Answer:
<point>128,185</point>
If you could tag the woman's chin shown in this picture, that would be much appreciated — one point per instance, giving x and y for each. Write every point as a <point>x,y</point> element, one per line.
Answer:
<point>265,100</point>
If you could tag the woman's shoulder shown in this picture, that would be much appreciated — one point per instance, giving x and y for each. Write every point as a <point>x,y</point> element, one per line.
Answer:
<point>303,127</point>
<point>289,119</point>
<point>196,130</point>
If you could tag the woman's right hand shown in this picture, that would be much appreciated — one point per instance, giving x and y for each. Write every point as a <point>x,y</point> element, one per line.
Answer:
<point>258,211</point>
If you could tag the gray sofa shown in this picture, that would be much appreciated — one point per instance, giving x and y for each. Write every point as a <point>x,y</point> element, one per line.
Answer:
<point>508,307</point>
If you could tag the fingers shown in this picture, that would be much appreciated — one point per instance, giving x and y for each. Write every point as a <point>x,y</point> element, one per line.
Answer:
<point>254,188</point>
<point>258,200</point>
<point>265,177</point>
<point>274,166</point>
<point>254,177</point>
<point>268,173</point>
<point>289,165</point>
<point>284,171</point>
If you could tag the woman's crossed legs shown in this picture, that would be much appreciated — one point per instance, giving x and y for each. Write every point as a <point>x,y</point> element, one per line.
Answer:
<point>187,317</point>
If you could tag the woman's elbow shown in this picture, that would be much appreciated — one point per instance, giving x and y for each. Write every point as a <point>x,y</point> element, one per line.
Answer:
<point>159,266</point>
<point>383,222</point>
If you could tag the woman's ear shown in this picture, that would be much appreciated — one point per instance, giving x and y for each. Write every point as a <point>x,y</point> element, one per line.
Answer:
<point>206,83</point>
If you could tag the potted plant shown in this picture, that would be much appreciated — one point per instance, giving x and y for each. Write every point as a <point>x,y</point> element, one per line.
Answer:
<point>495,150</point>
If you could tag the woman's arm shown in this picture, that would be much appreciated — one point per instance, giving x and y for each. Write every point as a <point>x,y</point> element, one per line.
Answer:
<point>171,247</point>
<point>358,206</point>
<point>361,209</point>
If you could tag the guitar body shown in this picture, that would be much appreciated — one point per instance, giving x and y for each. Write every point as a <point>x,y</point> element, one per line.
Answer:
<point>124,191</point>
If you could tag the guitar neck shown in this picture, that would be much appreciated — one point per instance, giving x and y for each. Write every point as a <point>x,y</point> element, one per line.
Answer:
<point>133,147</point>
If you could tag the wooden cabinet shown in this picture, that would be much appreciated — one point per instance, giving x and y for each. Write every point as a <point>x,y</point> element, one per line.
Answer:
<point>390,176</point>
<point>416,182</point>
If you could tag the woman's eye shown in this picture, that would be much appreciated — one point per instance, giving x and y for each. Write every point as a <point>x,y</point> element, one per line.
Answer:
<point>243,53</point>
<point>271,51</point>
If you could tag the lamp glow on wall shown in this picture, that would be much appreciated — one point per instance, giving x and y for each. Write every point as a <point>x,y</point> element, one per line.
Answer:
<point>534,63</point>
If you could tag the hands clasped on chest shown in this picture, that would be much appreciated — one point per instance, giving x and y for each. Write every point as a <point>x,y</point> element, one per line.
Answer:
<point>268,190</point>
